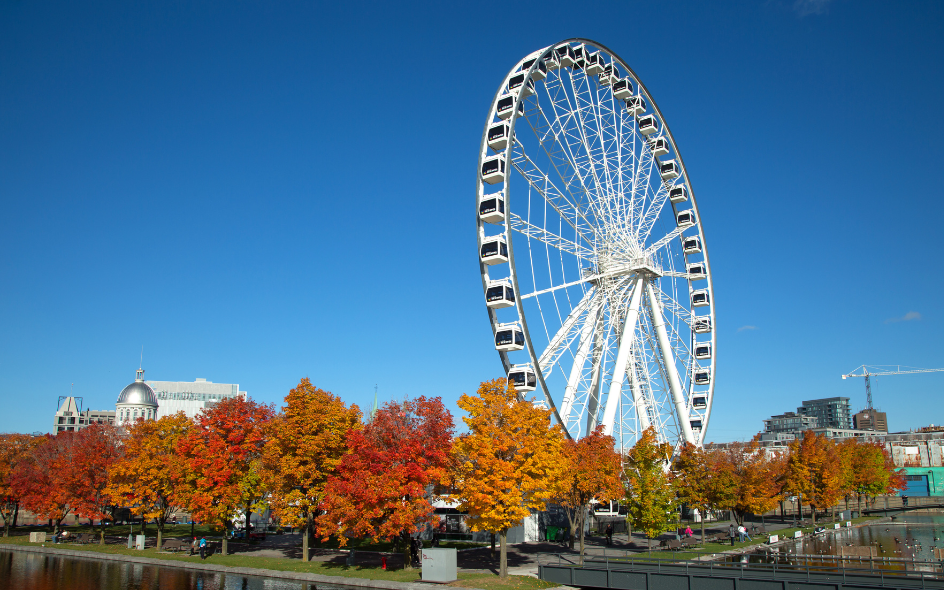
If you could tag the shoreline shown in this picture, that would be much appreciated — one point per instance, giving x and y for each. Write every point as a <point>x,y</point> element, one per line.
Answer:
<point>242,571</point>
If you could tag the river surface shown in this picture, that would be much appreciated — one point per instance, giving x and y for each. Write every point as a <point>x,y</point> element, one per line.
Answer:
<point>38,571</point>
<point>905,543</point>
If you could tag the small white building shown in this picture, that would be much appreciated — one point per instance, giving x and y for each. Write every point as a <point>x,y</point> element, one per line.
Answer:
<point>135,401</point>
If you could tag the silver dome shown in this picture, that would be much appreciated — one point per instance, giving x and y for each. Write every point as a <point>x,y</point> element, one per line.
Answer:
<point>138,392</point>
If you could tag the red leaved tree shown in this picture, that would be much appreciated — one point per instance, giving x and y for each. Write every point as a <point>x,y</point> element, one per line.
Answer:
<point>95,450</point>
<point>381,489</point>
<point>591,472</point>
<point>14,449</point>
<point>42,481</point>
<point>221,453</point>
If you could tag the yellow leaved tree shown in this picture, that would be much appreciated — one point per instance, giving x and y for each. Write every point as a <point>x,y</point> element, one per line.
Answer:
<point>505,466</point>
<point>650,495</point>
<point>305,444</point>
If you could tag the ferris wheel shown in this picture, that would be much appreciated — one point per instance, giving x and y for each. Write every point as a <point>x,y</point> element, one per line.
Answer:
<point>592,251</point>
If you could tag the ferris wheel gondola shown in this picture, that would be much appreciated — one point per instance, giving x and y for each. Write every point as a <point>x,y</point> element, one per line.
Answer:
<point>597,284</point>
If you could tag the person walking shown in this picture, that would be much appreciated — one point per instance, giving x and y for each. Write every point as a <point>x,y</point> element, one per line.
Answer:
<point>203,544</point>
<point>194,546</point>
<point>609,533</point>
<point>732,533</point>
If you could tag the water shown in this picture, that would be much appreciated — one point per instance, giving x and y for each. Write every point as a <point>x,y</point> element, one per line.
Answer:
<point>905,543</point>
<point>38,571</point>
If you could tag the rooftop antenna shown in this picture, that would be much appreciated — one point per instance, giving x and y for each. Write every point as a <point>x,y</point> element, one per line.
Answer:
<point>139,374</point>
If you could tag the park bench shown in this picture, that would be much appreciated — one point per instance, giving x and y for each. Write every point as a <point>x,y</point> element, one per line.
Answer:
<point>83,538</point>
<point>175,545</point>
<point>689,541</point>
<point>673,545</point>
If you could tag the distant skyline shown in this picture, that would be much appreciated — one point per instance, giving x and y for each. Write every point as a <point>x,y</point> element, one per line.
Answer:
<point>259,192</point>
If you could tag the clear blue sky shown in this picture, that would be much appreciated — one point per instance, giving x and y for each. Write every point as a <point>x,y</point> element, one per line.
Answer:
<point>258,192</point>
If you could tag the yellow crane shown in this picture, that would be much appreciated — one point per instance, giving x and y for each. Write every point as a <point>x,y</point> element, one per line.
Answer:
<point>869,371</point>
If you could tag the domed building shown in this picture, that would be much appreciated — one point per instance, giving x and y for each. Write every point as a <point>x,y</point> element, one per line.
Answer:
<point>137,400</point>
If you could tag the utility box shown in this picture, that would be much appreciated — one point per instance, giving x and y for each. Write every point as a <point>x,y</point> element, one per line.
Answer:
<point>439,565</point>
<point>37,537</point>
<point>139,542</point>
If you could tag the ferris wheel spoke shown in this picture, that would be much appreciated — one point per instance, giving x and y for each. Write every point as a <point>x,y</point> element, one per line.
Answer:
<point>549,135</point>
<point>553,240</point>
<point>565,334</point>
<point>542,184</point>
<point>668,360</point>
<point>664,240</point>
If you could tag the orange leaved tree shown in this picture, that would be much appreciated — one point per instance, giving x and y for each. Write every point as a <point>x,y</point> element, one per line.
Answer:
<point>380,490</point>
<point>221,454</point>
<point>507,462</point>
<point>96,449</point>
<point>813,471</point>
<point>591,471</point>
<point>693,476</point>
<point>14,448</point>
<point>305,443</point>
<point>752,480</point>
<point>650,495</point>
<point>150,474</point>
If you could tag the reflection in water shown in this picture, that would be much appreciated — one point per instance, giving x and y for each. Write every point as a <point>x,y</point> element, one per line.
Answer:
<point>37,571</point>
<point>905,543</point>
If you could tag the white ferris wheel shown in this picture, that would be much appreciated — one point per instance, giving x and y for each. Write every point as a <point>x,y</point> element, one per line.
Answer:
<point>592,251</point>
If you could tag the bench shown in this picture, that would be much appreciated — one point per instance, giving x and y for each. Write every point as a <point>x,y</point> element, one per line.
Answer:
<point>175,545</point>
<point>673,545</point>
<point>84,538</point>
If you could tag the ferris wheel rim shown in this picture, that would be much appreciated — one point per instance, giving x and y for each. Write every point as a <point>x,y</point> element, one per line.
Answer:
<point>538,57</point>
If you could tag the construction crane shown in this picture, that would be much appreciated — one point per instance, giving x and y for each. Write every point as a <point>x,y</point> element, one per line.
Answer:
<point>876,370</point>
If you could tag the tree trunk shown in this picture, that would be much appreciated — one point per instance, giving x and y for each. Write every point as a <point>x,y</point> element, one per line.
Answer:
<point>649,543</point>
<point>306,532</point>
<point>703,527</point>
<point>503,561</point>
<point>493,545</point>
<point>580,525</point>
<point>160,536</point>
<point>407,553</point>
<point>571,519</point>
<point>813,514</point>
<point>225,545</point>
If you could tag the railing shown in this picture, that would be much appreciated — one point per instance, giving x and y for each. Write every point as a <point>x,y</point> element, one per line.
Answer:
<point>770,571</point>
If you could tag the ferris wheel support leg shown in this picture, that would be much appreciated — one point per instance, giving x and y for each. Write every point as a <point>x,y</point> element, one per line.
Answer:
<point>622,358</point>
<point>583,350</point>
<point>675,385</point>
<point>600,343</point>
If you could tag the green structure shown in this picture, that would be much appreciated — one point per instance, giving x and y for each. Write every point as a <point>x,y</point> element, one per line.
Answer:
<point>924,481</point>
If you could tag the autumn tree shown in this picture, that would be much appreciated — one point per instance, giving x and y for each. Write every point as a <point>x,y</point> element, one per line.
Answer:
<point>150,474</point>
<point>305,444</point>
<point>874,473</point>
<point>591,471</point>
<point>507,462</point>
<point>95,450</point>
<point>14,448</point>
<point>693,477</point>
<point>221,454</point>
<point>813,471</point>
<point>751,486</point>
<point>650,495</point>
<point>42,480</point>
<point>381,487</point>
